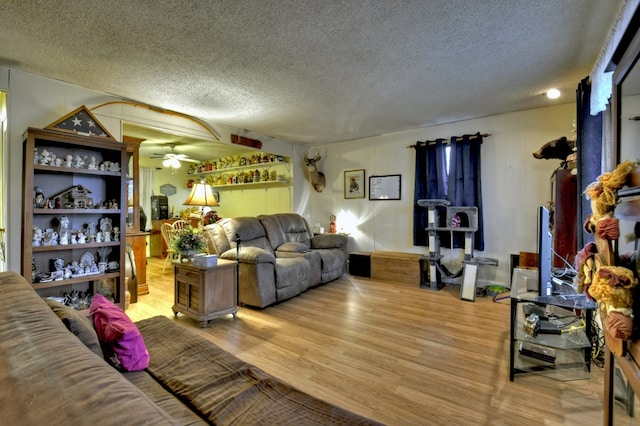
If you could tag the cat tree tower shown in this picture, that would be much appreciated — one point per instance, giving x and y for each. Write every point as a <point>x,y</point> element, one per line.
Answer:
<point>458,219</point>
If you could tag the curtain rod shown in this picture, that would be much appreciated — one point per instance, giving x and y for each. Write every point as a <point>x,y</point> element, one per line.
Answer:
<point>445,141</point>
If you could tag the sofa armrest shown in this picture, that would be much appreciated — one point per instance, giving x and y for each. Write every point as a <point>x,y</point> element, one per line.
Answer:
<point>329,241</point>
<point>250,255</point>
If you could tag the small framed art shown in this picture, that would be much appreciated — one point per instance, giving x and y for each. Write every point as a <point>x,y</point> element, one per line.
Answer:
<point>354,183</point>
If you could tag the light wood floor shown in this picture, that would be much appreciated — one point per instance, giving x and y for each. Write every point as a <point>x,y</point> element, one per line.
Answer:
<point>392,352</point>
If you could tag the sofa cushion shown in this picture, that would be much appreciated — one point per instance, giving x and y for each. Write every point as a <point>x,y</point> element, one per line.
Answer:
<point>163,397</point>
<point>250,255</point>
<point>217,240</point>
<point>293,247</point>
<point>274,231</point>
<point>292,272</point>
<point>121,341</point>
<point>77,323</point>
<point>295,228</point>
<point>248,229</point>
<point>227,390</point>
<point>333,261</point>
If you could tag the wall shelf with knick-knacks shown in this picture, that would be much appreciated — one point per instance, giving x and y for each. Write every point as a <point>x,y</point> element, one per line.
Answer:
<point>253,170</point>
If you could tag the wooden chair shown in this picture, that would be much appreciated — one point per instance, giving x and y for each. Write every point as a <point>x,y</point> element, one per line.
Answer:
<point>180,224</point>
<point>169,234</point>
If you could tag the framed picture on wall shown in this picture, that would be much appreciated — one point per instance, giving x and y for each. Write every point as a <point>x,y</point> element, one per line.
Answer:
<point>354,183</point>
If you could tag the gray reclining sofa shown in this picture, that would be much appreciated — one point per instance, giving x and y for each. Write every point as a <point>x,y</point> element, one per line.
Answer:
<point>280,257</point>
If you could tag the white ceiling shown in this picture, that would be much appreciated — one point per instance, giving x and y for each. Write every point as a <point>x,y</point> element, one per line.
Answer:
<point>158,142</point>
<point>313,71</point>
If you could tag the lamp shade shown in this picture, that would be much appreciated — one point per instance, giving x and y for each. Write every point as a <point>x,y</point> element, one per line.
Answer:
<point>201,195</point>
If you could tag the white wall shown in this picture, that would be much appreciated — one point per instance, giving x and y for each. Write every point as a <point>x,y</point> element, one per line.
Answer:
<point>514,182</point>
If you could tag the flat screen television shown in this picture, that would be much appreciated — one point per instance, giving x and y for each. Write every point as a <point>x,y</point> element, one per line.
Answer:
<point>545,252</point>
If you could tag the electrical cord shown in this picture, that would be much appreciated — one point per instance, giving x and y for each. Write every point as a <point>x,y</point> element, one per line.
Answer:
<point>597,344</point>
<point>568,266</point>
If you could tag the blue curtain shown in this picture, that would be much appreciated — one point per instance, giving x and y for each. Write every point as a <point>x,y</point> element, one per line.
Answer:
<point>431,183</point>
<point>462,187</point>
<point>465,188</point>
<point>589,144</point>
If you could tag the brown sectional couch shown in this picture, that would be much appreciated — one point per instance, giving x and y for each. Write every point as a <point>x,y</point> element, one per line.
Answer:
<point>280,257</point>
<point>49,376</point>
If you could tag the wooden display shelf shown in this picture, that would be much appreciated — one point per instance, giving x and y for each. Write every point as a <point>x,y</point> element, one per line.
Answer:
<point>75,170</point>
<point>76,211</point>
<point>77,280</point>
<point>254,184</point>
<point>85,246</point>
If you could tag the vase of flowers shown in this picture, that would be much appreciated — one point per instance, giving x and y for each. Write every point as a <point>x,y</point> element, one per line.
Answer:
<point>188,242</point>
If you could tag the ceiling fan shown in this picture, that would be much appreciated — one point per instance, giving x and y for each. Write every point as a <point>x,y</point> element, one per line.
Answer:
<point>172,159</point>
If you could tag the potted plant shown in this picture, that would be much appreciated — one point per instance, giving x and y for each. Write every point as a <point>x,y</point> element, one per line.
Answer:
<point>188,242</point>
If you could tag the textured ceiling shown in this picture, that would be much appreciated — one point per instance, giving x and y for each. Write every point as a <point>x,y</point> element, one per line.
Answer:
<point>313,71</point>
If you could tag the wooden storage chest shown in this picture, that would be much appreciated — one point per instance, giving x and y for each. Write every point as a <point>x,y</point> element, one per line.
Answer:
<point>396,266</point>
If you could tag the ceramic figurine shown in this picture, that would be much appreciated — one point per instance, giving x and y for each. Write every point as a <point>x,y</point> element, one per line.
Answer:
<point>92,164</point>
<point>45,157</point>
<point>37,237</point>
<point>64,230</point>
<point>39,198</point>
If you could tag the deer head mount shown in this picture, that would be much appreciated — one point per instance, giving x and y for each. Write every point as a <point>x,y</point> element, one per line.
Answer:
<point>317,177</point>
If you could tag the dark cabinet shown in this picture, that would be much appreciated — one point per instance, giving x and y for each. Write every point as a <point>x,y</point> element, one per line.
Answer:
<point>564,192</point>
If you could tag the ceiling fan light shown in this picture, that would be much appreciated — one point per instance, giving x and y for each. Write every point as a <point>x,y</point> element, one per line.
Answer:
<point>171,162</point>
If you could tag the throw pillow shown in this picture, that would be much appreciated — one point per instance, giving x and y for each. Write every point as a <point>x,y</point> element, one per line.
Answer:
<point>77,323</point>
<point>121,340</point>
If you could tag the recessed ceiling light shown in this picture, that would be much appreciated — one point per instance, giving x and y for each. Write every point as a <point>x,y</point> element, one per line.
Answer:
<point>553,93</point>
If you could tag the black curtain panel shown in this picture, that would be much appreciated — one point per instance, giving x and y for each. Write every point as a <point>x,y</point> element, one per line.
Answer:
<point>464,186</point>
<point>589,144</point>
<point>430,183</point>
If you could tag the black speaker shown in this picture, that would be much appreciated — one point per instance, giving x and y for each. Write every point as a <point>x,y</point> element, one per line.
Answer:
<point>360,264</point>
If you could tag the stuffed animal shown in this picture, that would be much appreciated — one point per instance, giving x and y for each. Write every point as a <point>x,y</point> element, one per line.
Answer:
<point>611,288</point>
<point>558,148</point>
<point>586,263</point>
<point>608,284</point>
<point>603,194</point>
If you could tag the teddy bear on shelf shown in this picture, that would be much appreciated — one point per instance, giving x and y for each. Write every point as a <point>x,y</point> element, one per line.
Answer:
<point>603,194</point>
<point>612,287</point>
<point>598,276</point>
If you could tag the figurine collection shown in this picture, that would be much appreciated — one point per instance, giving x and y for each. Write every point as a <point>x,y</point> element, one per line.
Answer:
<point>47,158</point>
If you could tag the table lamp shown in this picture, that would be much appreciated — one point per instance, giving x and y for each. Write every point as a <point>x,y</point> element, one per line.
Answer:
<point>202,196</point>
